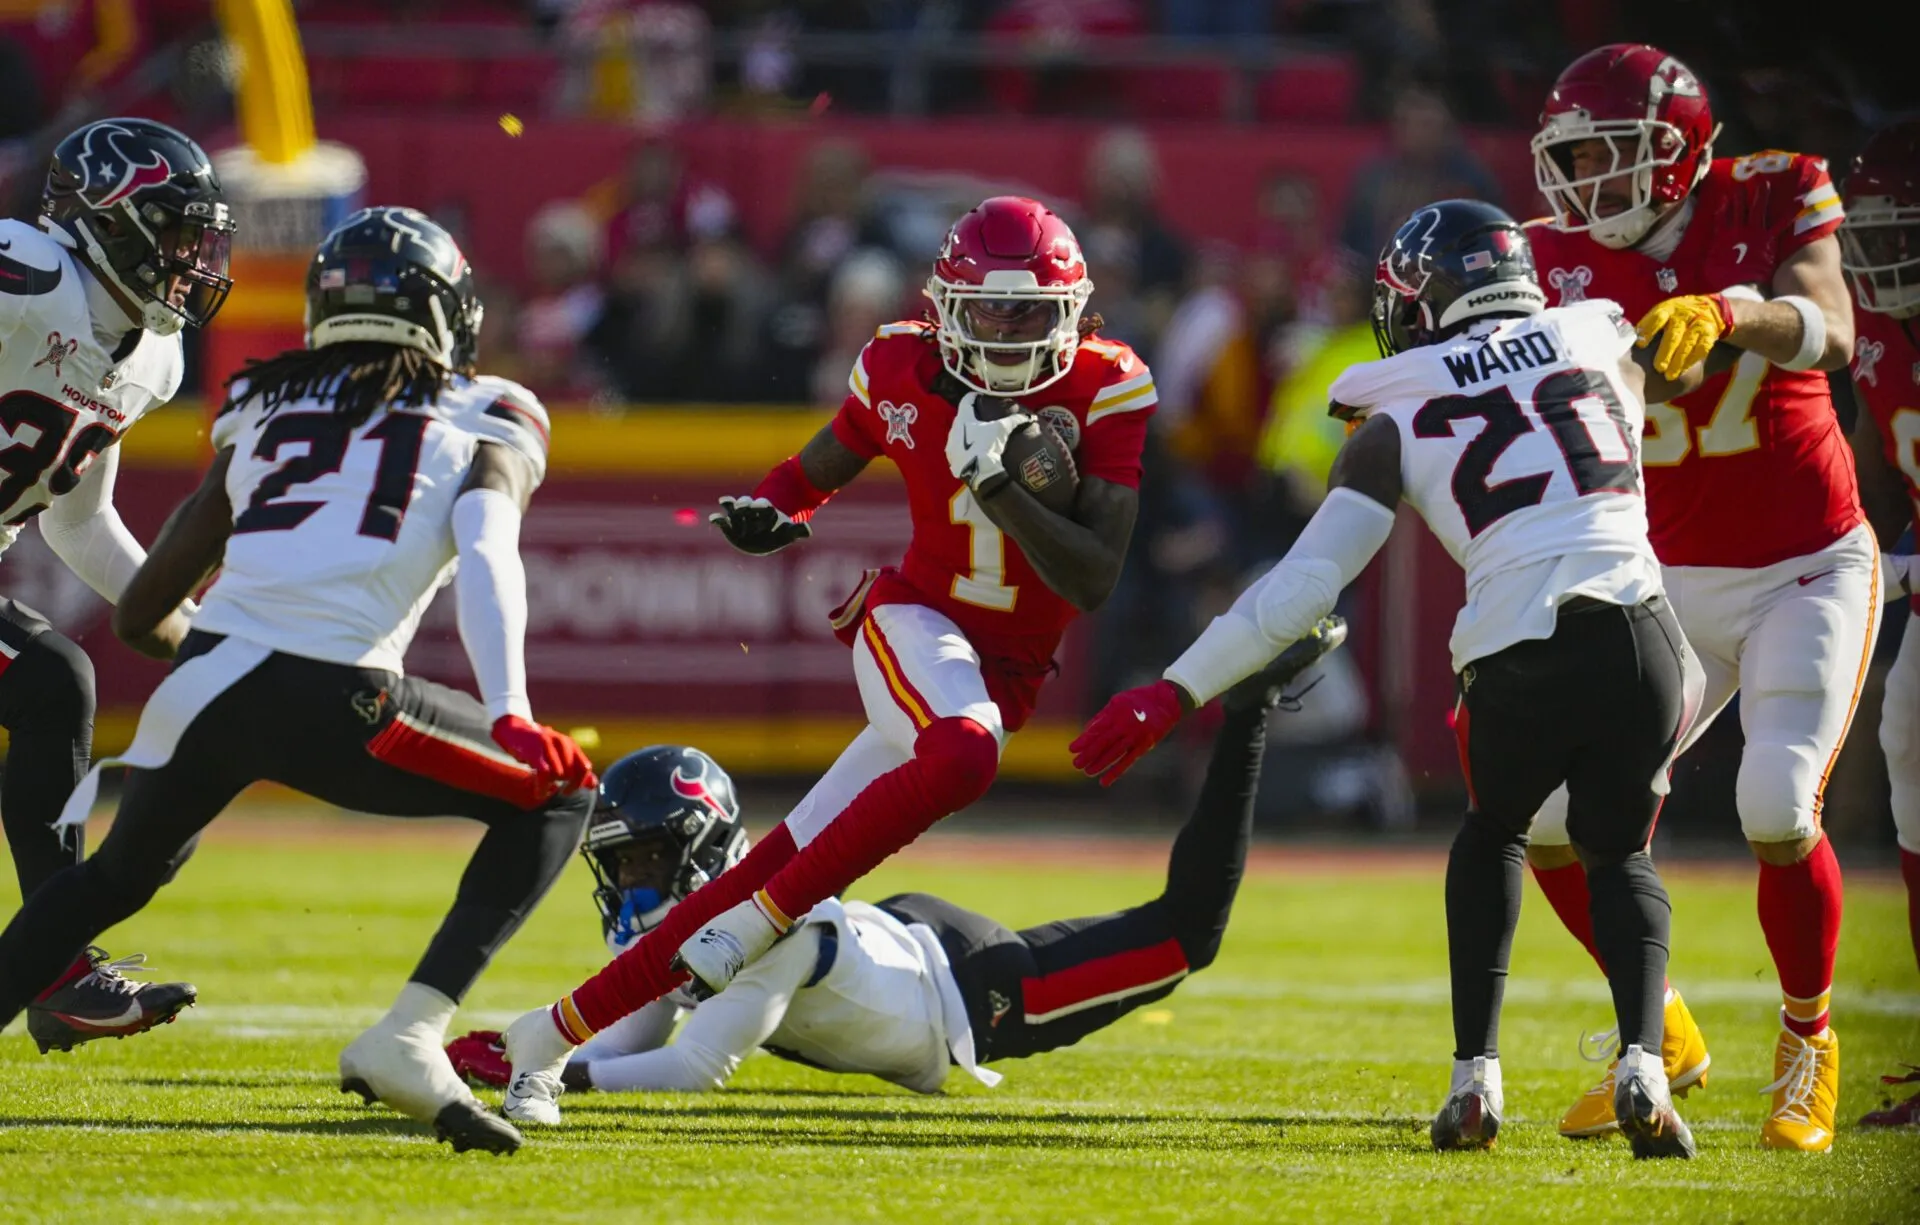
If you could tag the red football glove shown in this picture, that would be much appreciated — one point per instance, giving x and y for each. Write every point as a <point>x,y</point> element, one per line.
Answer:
<point>1123,731</point>
<point>480,1057</point>
<point>560,763</point>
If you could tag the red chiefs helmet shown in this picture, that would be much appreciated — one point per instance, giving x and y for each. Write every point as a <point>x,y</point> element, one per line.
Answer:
<point>1008,291</point>
<point>1652,114</point>
<point>1880,239</point>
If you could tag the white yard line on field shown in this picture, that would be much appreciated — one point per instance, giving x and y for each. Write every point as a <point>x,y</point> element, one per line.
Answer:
<point>272,1021</point>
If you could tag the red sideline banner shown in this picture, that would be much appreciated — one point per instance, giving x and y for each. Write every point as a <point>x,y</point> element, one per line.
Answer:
<point>644,625</point>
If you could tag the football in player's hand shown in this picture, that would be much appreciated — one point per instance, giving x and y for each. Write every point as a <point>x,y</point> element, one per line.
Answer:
<point>1038,458</point>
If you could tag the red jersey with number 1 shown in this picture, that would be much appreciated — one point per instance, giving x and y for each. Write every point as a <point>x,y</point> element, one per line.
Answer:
<point>1752,468</point>
<point>958,562</point>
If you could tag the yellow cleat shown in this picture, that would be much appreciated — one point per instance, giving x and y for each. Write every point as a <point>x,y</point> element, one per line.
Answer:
<point>1806,1093</point>
<point>1683,1049</point>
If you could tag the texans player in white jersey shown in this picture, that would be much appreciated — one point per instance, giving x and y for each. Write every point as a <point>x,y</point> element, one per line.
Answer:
<point>1515,432</point>
<point>351,480</point>
<point>913,985</point>
<point>131,247</point>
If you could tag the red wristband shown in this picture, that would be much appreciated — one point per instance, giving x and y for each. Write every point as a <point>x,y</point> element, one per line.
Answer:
<point>788,488</point>
<point>1725,307</point>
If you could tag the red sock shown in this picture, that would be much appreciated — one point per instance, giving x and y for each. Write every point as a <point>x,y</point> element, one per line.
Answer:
<point>1910,872</point>
<point>81,965</point>
<point>953,764</point>
<point>1566,890</point>
<point>640,975</point>
<point>1800,915</point>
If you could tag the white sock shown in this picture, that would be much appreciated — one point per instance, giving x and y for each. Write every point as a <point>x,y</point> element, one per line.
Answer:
<point>421,1005</point>
<point>1487,1071</point>
<point>535,1042</point>
<point>1648,1063</point>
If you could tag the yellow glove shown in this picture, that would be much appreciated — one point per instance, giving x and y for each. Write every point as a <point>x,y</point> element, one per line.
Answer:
<point>1688,328</point>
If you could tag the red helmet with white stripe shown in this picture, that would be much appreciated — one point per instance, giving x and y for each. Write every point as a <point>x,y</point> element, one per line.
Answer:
<point>1008,291</point>
<point>1651,115</point>
<point>1880,239</point>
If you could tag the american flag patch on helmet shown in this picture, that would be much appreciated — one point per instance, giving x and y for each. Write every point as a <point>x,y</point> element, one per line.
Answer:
<point>1474,261</point>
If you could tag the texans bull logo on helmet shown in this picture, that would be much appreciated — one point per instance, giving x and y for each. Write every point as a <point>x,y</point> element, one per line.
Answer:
<point>1402,267</point>
<point>695,789</point>
<point>116,166</point>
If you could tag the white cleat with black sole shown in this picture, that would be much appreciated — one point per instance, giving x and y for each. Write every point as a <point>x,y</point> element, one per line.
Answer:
<point>405,1067</point>
<point>538,1055</point>
<point>1643,1105</point>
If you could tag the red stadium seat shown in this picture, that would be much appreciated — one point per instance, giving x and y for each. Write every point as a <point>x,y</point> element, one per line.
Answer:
<point>1317,88</point>
<point>522,84</point>
<point>1179,91</point>
<point>429,82</point>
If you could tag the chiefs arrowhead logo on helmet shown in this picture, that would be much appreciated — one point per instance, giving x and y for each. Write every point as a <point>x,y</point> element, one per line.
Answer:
<point>116,166</point>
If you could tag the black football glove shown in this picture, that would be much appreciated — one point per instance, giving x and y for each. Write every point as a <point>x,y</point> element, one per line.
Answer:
<point>756,526</point>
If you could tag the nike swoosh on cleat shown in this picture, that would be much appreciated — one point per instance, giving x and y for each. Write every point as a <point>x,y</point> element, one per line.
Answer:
<point>132,1014</point>
<point>1811,577</point>
<point>1140,715</point>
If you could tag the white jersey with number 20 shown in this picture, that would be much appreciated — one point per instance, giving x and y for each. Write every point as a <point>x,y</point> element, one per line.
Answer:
<point>341,534</point>
<point>1520,447</point>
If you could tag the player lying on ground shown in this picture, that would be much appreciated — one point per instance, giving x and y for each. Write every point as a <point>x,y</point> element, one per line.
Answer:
<point>906,988</point>
<point>1572,669</point>
<point>349,480</point>
<point>1752,504</point>
<point>1880,245</point>
<point>951,647</point>
<point>132,247</point>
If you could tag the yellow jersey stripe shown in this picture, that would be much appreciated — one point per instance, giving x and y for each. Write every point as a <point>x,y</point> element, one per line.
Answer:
<point>1120,391</point>
<point>1146,397</point>
<point>857,380</point>
<point>1814,218</point>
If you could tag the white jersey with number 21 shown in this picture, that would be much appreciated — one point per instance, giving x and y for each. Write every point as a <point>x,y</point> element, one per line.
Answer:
<point>342,533</point>
<point>1520,447</point>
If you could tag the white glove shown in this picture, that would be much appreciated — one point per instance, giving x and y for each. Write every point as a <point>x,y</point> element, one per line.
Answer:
<point>974,447</point>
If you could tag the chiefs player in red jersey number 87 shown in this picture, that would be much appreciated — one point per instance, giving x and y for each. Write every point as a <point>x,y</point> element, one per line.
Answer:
<point>1880,249</point>
<point>1751,500</point>
<point>951,646</point>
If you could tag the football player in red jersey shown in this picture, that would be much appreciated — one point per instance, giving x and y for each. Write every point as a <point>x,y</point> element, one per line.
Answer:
<point>1751,497</point>
<point>951,646</point>
<point>1880,249</point>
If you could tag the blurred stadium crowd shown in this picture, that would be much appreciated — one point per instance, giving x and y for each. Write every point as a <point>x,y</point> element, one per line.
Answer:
<point>650,290</point>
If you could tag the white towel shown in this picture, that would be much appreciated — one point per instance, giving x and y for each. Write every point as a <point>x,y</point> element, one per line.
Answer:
<point>176,701</point>
<point>953,1008</point>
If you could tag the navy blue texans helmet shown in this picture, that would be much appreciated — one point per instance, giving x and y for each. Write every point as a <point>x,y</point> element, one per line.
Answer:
<point>666,822</point>
<point>143,203</point>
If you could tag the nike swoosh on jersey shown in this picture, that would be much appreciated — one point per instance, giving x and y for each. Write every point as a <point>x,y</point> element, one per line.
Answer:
<point>25,279</point>
<point>1811,577</point>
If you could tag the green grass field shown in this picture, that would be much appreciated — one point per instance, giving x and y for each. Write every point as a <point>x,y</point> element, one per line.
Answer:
<point>1292,1081</point>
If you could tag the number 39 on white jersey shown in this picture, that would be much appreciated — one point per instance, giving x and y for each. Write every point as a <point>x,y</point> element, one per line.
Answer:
<point>63,397</point>
<point>1520,447</point>
<point>341,534</point>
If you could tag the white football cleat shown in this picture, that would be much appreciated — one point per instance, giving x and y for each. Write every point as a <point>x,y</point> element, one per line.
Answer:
<point>1470,1117</point>
<point>1643,1105</point>
<point>405,1067</point>
<point>728,945</point>
<point>538,1054</point>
